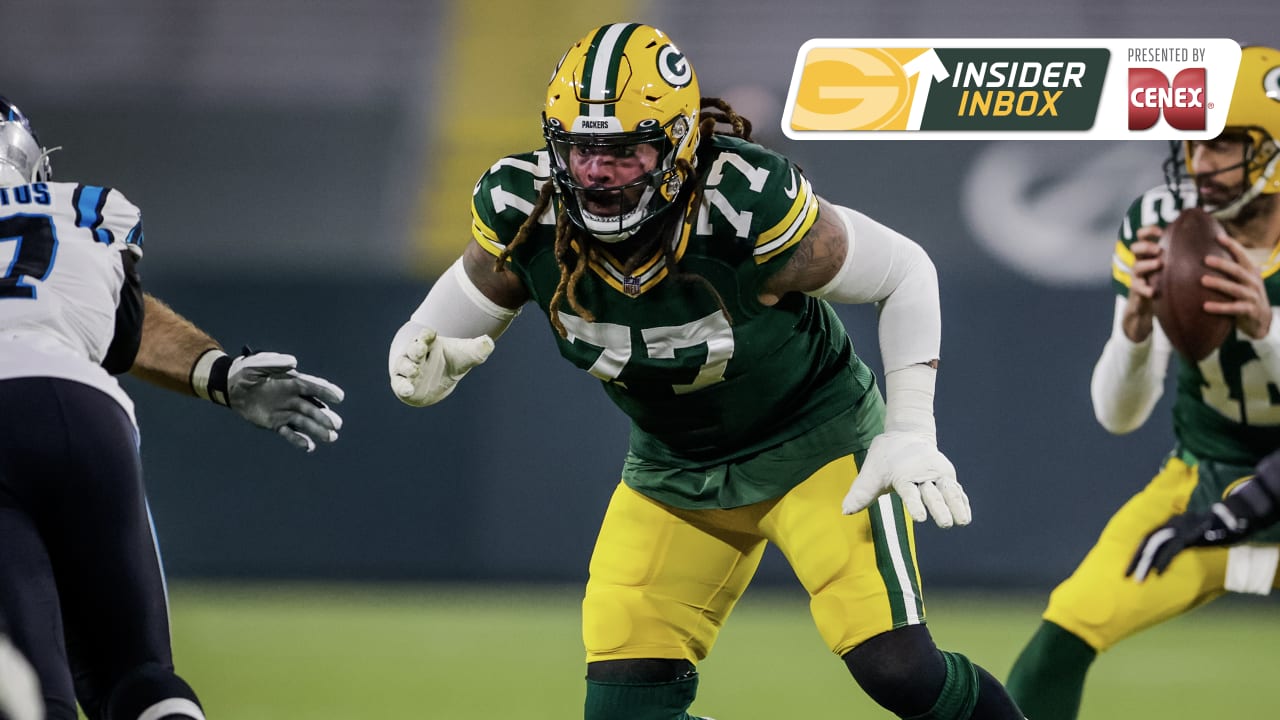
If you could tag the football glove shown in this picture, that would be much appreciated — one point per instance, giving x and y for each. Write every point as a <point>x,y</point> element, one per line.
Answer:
<point>1217,526</point>
<point>427,368</point>
<point>910,464</point>
<point>20,697</point>
<point>1254,506</point>
<point>266,389</point>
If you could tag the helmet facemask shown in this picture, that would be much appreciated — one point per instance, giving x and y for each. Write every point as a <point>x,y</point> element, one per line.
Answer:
<point>615,212</point>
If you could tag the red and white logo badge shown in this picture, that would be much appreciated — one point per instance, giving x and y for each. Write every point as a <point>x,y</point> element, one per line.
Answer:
<point>1182,102</point>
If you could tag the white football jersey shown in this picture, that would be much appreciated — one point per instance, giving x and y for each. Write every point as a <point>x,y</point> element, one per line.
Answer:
<point>60,255</point>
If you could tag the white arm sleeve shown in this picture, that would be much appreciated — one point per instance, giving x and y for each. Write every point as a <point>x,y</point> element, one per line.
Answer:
<point>1129,377</point>
<point>883,266</point>
<point>454,307</point>
<point>1268,348</point>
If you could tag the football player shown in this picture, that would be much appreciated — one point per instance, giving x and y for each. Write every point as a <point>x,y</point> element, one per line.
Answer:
<point>80,578</point>
<point>689,270</point>
<point>1226,415</point>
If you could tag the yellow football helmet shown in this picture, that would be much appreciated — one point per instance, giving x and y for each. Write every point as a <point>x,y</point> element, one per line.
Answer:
<point>1255,115</point>
<point>622,86</point>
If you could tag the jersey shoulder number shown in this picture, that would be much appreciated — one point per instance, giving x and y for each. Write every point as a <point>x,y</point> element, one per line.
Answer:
<point>754,195</point>
<point>504,197</point>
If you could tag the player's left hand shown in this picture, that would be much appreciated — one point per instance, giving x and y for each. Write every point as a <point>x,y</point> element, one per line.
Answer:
<point>1200,529</point>
<point>911,464</point>
<point>268,391</point>
<point>1241,282</point>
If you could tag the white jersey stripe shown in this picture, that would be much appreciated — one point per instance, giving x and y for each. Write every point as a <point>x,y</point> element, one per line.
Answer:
<point>905,581</point>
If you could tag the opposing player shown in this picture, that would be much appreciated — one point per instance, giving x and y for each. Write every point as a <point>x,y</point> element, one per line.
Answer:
<point>688,270</point>
<point>80,579</point>
<point>1227,412</point>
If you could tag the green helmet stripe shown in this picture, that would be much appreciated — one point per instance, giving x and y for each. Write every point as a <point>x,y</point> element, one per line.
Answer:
<point>600,68</point>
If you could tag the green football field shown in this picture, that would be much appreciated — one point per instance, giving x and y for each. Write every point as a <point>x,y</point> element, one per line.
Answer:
<point>324,652</point>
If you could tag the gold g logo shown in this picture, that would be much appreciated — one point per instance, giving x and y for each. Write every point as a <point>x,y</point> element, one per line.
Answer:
<point>851,89</point>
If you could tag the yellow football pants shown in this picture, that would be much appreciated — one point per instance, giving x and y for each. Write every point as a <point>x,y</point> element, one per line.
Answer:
<point>663,580</point>
<point>1102,606</point>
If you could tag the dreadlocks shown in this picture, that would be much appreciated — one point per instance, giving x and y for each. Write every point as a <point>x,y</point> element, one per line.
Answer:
<point>576,249</point>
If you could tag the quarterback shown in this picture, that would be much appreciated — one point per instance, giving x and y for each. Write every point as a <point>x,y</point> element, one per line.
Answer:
<point>688,270</point>
<point>81,585</point>
<point>1226,415</point>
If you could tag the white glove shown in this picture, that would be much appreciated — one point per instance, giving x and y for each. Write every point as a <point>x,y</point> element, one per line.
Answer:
<point>268,391</point>
<point>426,369</point>
<point>910,464</point>
<point>20,697</point>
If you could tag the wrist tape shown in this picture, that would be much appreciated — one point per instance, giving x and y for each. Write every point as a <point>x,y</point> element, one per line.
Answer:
<point>209,376</point>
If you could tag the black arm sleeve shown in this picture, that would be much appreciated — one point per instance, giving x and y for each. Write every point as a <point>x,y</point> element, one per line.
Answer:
<point>128,335</point>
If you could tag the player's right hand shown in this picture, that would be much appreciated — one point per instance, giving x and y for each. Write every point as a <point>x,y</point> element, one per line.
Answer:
<point>266,389</point>
<point>425,367</point>
<point>1147,261</point>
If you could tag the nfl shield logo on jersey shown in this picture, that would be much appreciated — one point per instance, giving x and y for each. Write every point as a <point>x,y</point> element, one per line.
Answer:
<point>631,285</point>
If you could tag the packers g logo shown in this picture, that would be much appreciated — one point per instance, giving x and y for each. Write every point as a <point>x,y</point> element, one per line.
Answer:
<point>1271,83</point>
<point>673,67</point>
<point>851,89</point>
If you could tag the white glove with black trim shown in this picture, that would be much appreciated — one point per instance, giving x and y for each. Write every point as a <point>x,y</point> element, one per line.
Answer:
<point>911,464</point>
<point>266,389</point>
<point>426,367</point>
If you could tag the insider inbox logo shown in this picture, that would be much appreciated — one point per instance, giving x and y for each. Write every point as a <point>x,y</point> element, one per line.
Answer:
<point>1011,89</point>
<point>1181,100</point>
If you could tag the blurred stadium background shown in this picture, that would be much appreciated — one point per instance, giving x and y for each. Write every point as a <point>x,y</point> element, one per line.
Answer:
<point>304,168</point>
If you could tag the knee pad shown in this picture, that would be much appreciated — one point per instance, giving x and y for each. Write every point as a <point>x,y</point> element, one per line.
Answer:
<point>902,670</point>
<point>152,692</point>
<point>643,689</point>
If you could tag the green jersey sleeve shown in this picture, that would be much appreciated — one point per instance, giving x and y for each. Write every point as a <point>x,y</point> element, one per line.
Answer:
<point>759,198</point>
<point>505,196</point>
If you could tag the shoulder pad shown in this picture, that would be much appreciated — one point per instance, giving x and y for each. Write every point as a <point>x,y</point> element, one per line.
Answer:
<point>755,195</point>
<point>505,195</point>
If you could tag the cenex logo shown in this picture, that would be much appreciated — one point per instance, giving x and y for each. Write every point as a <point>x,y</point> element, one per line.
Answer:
<point>1182,101</point>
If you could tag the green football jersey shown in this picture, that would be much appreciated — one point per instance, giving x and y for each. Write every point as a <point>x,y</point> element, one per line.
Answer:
<point>1226,408</point>
<point>713,397</point>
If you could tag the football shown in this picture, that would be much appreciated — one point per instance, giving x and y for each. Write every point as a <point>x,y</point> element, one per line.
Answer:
<point>1179,299</point>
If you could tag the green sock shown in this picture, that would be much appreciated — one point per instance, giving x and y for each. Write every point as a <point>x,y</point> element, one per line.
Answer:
<point>1047,679</point>
<point>641,701</point>
<point>959,691</point>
